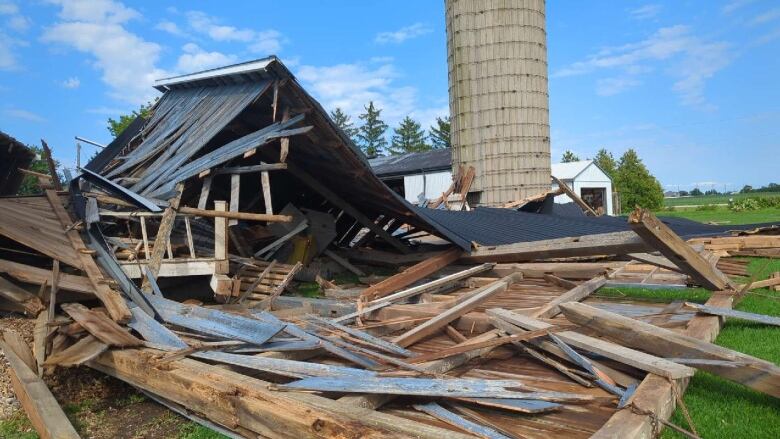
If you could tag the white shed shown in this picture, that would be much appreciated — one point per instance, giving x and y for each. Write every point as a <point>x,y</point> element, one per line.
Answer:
<point>411,175</point>
<point>588,181</point>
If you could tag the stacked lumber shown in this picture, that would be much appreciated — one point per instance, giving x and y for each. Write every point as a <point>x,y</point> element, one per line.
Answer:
<point>749,245</point>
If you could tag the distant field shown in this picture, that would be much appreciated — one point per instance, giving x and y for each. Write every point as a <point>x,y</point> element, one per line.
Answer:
<point>714,199</point>
<point>723,215</point>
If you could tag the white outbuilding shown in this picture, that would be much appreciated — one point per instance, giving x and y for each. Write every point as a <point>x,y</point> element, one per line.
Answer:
<point>588,181</point>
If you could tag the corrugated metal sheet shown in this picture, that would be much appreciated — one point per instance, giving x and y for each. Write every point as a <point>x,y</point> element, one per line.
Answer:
<point>412,163</point>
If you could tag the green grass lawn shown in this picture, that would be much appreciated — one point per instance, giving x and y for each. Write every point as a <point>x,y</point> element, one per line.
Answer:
<point>714,199</point>
<point>725,216</point>
<point>720,408</point>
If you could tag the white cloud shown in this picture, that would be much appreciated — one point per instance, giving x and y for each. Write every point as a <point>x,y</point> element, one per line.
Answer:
<point>72,82</point>
<point>351,86</point>
<point>127,61</point>
<point>613,86</point>
<point>688,59</point>
<point>7,56</point>
<point>267,41</point>
<point>646,12</point>
<point>733,5</point>
<point>28,116</point>
<point>172,28</point>
<point>108,111</point>
<point>403,34</point>
<point>195,59</point>
<point>766,17</point>
<point>16,21</point>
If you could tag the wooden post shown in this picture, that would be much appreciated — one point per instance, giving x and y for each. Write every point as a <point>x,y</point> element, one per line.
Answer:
<point>265,182</point>
<point>235,192</point>
<point>204,192</point>
<point>55,180</point>
<point>576,198</point>
<point>221,237</point>
<point>661,237</point>
<point>162,240</point>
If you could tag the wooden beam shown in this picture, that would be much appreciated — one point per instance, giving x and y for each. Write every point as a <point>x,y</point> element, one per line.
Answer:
<point>236,215</point>
<point>552,308</point>
<point>576,198</point>
<point>263,167</point>
<point>31,304</point>
<point>621,354</point>
<point>755,373</point>
<point>658,235</point>
<point>235,196</point>
<point>248,405</point>
<point>342,204</point>
<point>112,300</point>
<point>732,313</point>
<point>163,238</point>
<point>55,179</point>
<point>36,399</point>
<point>204,192</point>
<point>437,323</point>
<point>20,347</point>
<point>615,243</point>
<point>265,183</point>
<point>412,274</point>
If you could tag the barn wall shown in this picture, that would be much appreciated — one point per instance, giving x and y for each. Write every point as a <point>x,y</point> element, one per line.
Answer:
<point>433,184</point>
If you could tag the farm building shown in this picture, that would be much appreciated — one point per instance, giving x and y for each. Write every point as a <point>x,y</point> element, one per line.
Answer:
<point>588,181</point>
<point>430,174</point>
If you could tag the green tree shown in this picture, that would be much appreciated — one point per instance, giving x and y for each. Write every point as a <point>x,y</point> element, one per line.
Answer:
<point>116,126</point>
<point>569,157</point>
<point>344,122</point>
<point>696,192</point>
<point>408,137</point>
<point>440,134</point>
<point>746,189</point>
<point>606,162</point>
<point>636,185</point>
<point>371,135</point>
<point>30,184</point>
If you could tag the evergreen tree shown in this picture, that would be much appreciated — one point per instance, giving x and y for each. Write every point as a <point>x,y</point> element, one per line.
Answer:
<point>408,137</point>
<point>440,134</point>
<point>344,122</point>
<point>569,157</point>
<point>116,126</point>
<point>696,192</point>
<point>636,185</point>
<point>371,135</point>
<point>606,162</point>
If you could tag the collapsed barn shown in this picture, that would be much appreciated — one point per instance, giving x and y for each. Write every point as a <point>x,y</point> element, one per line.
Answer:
<point>174,260</point>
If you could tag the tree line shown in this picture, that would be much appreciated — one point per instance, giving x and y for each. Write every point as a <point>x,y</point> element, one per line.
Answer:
<point>407,137</point>
<point>630,178</point>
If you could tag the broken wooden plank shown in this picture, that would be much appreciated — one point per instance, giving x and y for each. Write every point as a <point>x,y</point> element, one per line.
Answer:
<point>412,274</point>
<point>640,360</point>
<point>103,328</point>
<point>759,375</point>
<point>448,388</point>
<point>435,324</point>
<point>20,347</point>
<point>552,308</point>
<point>31,304</point>
<point>728,312</point>
<point>265,183</point>
<point>39,276</point>
<point>36,399</point>
<point>112,300</point>
<point>362,335</point>
<point>204,192</point>
<point>55,179</point>
<point>79,353</point>
<point>40,340</point>
<point>246,216</point>
<point>662,238</point>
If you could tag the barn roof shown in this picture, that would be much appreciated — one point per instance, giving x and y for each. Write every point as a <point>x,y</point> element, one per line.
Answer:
<point>412,163</point>
<point>570,170</point>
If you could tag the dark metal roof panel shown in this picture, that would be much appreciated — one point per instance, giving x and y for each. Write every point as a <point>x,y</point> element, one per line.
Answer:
<point>412,163</point>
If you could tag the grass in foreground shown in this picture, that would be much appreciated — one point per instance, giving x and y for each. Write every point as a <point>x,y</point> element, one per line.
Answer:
<point>721,408</point>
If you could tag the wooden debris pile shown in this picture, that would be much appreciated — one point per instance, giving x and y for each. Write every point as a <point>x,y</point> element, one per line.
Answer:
<point>171,263</point>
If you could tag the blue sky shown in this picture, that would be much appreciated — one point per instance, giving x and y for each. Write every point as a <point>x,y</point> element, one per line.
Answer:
<point>692,85</point>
